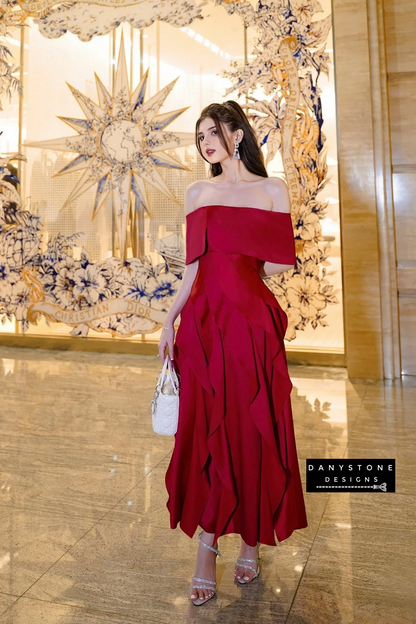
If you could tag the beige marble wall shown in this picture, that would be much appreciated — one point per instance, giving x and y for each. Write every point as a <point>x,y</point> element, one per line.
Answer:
<point>360,246</point>
<point>400,24</point>
<point>384,190</point>
<point>375,53</point>
<point>400,27</point>
<point>402,98</point>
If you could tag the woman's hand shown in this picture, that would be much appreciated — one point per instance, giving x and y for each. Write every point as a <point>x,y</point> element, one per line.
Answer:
<point>166,340</point>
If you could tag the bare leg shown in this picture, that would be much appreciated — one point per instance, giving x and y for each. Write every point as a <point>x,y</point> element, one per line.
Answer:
<point>205,566</point>
<point>248,552</point>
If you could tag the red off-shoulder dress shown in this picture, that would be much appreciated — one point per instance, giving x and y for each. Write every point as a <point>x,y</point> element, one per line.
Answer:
<point>234,467</point>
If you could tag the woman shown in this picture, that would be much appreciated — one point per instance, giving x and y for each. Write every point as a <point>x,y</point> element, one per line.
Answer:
<point>234,467</point>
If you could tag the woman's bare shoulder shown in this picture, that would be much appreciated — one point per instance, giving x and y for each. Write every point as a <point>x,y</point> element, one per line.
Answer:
<point>277,189</point>
<point>275,183</point>
<point>193,193</point>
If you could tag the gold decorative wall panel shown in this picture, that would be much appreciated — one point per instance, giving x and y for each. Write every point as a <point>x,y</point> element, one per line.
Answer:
<point>400,26</point>
<point>402,96</point>
<point>357,189</point>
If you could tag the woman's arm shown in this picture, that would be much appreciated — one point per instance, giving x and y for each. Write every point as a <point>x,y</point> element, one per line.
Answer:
<point>281,203</point>
<point>271,268</point>
<point>181,297</point>
<point>182,294</point>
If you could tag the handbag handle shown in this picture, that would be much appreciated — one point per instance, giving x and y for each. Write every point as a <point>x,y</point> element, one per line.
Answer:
<point>172,374</point>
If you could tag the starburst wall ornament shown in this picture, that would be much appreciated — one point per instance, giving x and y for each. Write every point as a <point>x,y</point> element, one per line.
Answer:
<point>120,144</point>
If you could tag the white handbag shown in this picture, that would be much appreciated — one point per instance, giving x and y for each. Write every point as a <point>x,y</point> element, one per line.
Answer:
<point>165,403</point>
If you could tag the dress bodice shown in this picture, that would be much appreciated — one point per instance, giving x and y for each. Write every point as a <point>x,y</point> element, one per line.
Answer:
<point>263,234</point>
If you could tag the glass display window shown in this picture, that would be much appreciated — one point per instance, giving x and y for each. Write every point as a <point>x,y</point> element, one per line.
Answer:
<point>199,55</point>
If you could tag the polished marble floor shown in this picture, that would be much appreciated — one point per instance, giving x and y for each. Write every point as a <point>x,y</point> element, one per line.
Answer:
<point>84,529</point>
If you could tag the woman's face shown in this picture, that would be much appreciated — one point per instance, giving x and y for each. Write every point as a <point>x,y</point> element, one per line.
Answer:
<point>209,141</point>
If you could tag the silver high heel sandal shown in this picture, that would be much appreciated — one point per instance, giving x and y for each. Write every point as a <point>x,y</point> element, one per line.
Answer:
<point>210,585</point>
<point>249,567</point>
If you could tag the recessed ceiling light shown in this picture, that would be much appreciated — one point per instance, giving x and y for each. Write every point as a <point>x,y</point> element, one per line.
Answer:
<point>206,42</point>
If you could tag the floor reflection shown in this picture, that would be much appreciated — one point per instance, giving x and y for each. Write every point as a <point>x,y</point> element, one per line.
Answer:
<point>84,529</point>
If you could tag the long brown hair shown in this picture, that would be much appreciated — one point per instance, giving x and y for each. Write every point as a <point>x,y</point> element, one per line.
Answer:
<point>231,114</point>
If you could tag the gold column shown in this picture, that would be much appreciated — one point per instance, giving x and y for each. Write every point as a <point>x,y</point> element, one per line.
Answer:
<point>113,77</point>
<point>131,56</point>
<point>245,52</point>
<point>359,216</point>
<point>384,193</point>
<point>20,129</point>
<point>141,54</point>
<point>134,224</point>
<point>157,56</point>
<point>138,220</point>
<point>21,98</point>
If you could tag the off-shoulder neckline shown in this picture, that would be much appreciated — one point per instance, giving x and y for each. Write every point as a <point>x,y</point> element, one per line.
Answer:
<point>238,208</point>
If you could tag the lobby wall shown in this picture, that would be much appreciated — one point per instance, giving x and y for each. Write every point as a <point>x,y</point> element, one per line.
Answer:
<point>400,25</point>
<point>376,92</point>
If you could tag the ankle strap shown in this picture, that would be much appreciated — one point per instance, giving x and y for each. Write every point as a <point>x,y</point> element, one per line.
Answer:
<point>210,547</point>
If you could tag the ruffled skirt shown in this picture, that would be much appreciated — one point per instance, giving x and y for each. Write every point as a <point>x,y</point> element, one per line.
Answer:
<point>234,467</point>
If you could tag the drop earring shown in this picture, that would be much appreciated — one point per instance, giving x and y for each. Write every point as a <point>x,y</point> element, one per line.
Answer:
<point>236,152</point>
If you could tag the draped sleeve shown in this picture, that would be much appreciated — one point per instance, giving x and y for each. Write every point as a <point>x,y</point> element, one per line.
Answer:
<point>196,235</point>
<point>264,234</point>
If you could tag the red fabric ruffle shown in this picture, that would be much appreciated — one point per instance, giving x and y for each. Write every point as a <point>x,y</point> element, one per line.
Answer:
<point>234,467</point>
